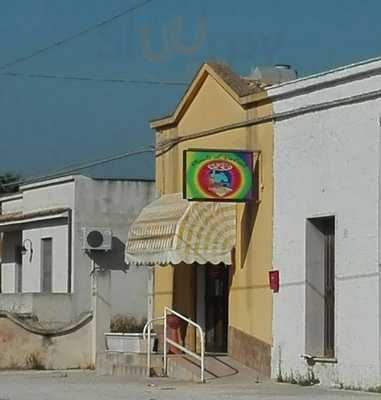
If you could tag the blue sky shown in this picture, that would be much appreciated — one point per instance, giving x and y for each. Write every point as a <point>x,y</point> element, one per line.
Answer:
<point>47,124</point>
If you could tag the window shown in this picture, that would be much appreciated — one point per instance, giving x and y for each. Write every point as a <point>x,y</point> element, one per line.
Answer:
<point>320,286</point>
<point>46,265</point>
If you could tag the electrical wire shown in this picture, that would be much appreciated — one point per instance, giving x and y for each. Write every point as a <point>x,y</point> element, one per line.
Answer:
<point>78,167</point>
<point>94,79</point>
<point>73,168</point>
<point>159,148</point>
<point>166,145</point>
<point>74,36</point>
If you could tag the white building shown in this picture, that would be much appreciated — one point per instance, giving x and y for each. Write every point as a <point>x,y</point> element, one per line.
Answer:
<point>47,279</point>
<point>327,238</point>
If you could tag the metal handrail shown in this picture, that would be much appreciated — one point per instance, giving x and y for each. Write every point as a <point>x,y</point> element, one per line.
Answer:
<point>148,326</point>
<point>200,357</point>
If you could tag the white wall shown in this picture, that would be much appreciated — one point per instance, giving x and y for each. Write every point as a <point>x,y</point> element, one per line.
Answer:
<point>38,197</point>
<point>12,205</point>
<point>58,231</point>
<point>327,163</point>
<point>114,204</point>
<point>46,307</point>
<point>129,292</point>
<point>95,203</point>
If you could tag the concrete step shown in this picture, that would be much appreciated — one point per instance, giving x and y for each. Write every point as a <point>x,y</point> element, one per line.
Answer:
<point>187,368</point>
<point>122,364</point>
<point>182,368</point>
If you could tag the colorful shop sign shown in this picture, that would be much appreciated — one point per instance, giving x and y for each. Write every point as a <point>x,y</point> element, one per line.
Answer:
<point>218,175</point>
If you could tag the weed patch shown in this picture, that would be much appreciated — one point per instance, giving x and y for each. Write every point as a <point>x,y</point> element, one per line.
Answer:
<point>33,361</point>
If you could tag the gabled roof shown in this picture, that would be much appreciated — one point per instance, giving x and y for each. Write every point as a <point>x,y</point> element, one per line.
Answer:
<point>241,89</point>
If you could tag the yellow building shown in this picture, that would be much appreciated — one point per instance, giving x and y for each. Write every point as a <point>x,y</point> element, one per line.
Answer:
<point>233,302</point>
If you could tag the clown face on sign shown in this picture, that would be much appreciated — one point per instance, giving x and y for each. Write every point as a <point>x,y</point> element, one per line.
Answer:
<point>220,178</point>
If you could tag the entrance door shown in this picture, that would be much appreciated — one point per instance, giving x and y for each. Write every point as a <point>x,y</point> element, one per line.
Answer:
<point>216,308</point>
<point>320,290</point>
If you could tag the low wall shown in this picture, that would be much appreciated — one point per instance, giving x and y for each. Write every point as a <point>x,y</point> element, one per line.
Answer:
<point>47,307</point>
<point>17,303</point>
<point>20,349</point>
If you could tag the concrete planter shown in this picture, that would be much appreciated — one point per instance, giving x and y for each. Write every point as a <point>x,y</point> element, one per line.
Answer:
<point>128,342</point>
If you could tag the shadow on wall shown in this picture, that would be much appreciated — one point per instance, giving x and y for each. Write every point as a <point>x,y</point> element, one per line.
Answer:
<point>249,217</point>
<point>111,260</point>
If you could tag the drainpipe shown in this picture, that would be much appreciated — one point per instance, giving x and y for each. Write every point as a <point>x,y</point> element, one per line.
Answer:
<point>101,308</point>
<point>69,250</point>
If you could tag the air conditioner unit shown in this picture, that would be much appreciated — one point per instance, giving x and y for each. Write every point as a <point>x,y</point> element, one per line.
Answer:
<point>96,238</point>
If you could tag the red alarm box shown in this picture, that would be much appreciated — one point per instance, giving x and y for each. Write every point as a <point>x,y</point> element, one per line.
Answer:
<point>274,281</point>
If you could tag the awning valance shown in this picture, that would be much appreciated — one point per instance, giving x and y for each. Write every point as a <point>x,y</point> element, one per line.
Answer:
<point>172,230</point>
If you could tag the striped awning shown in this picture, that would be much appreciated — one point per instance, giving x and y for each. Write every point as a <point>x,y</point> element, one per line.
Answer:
<point>172,230</point>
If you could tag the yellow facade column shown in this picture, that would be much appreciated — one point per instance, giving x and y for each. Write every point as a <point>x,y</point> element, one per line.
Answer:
<point>163,289</point>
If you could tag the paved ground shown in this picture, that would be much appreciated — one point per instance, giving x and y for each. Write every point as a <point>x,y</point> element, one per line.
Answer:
<point>75,385</point>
